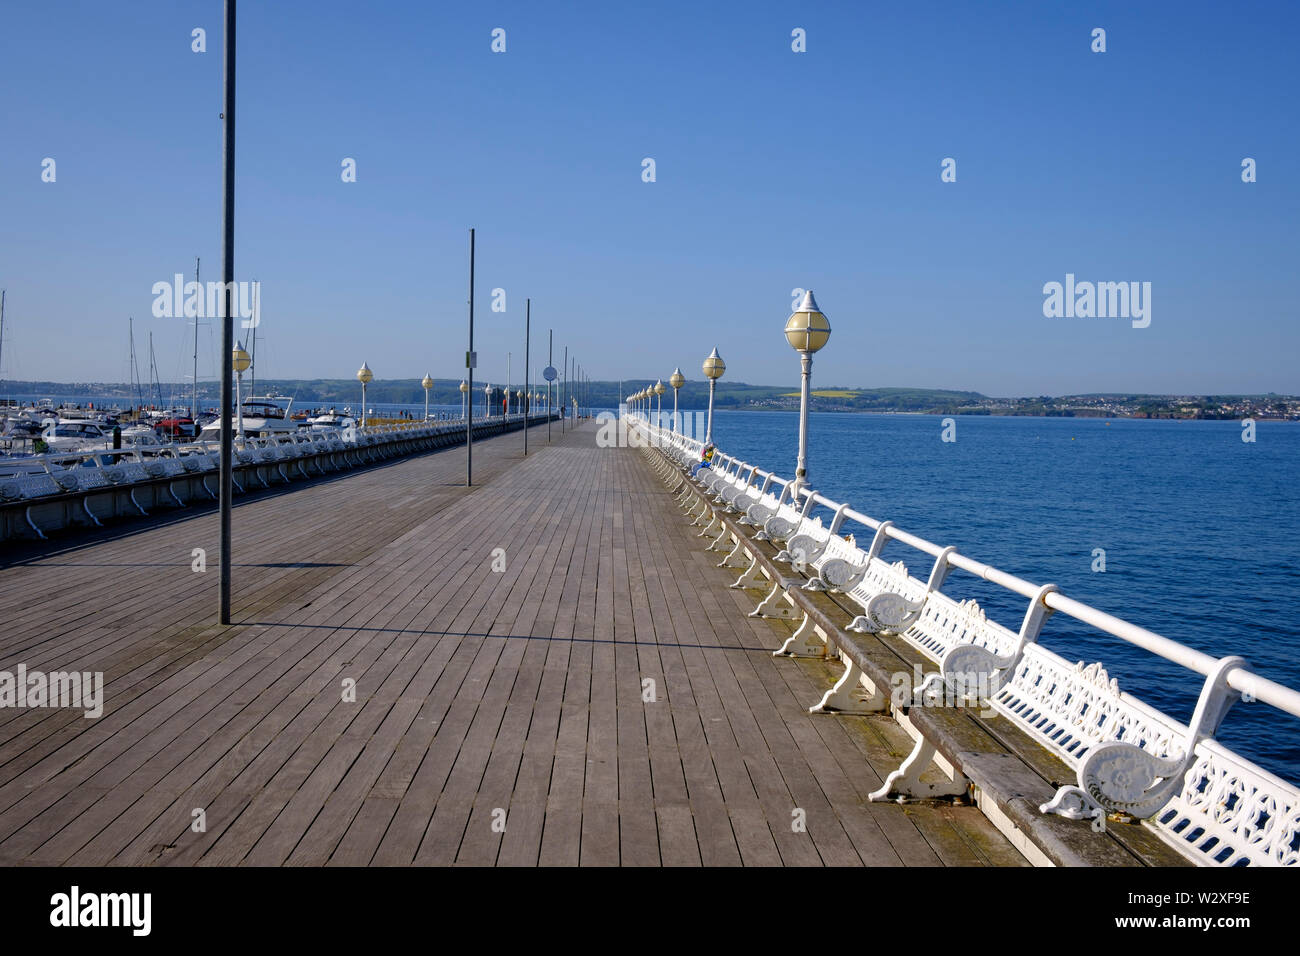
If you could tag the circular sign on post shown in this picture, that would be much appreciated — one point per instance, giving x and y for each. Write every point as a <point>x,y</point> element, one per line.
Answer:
<point>550,374</point>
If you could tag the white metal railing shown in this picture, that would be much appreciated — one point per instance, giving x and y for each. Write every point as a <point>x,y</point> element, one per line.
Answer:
<point>1213,806</point>
<point>1243,680</point>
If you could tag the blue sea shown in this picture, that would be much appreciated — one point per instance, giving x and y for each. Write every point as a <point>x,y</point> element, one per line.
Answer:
<point>1199,529</point>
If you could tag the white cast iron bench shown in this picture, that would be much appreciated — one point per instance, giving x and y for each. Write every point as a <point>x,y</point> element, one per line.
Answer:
<point>1130,758</point>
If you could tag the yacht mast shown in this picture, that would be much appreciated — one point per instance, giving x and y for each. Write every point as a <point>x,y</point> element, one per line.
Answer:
<point>194,412</point>
<point>252,355</point>
<point>2,331</point>
<point>153,373</point>
<point>135,368</point>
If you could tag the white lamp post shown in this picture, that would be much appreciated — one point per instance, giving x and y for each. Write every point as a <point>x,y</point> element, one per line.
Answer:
<point>676,380</point>
<point>464,399</point>
<point>660,388</point>
<point>487,400</point>
<point>239,361</point>
<point>713,369</point>
<point>427,382</point>
<point>807,330</point>
<point>364,375</point>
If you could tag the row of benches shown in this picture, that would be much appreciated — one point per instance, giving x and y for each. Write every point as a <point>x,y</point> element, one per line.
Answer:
<point>111,484</point>
<point>1128,760</point>
<point>108,468</point>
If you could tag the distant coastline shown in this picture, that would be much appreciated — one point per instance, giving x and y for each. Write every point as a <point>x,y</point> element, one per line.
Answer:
<point>733,396</point>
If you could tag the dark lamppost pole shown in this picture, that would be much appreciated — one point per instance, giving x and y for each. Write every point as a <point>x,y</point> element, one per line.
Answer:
<point>228,321</point>
<point>528,391</point>
<point>469,375</point>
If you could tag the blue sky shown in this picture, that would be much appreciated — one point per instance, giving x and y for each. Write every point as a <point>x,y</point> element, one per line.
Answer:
<point>775,170</point>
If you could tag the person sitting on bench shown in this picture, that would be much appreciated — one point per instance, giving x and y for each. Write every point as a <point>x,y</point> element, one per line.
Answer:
<point>706,456</point>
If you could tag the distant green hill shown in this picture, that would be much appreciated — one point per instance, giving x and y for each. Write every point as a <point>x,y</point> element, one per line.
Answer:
<point>694,395</point>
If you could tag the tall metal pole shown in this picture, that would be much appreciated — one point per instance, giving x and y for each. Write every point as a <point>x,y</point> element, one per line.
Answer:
<point>469,372</point>
<point>194,414</point>
<point>252,366</point>
<point>564,390</point>
<point>528,390</point>
<point>550,359</point>
<point>228,321</point>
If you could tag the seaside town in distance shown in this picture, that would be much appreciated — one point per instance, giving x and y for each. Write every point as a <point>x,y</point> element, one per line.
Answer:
<point>733,395</point>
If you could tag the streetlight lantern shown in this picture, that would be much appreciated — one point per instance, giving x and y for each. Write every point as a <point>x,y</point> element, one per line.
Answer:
<point>807,330</point>
<point>364,375</point>
<point>427,382</point>
<point>676,380</point>
<point>660,388</point>
<point>464,399</point>
<point>713,369</point>
<point>239,361</point>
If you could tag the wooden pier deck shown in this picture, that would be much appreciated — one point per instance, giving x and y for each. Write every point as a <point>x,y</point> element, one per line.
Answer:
<point>483,698</point>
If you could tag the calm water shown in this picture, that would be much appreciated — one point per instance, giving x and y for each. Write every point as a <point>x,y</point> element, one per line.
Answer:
<point>1199,530</point>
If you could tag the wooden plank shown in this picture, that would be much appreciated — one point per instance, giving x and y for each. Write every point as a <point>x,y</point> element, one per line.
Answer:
<point>476,691</point>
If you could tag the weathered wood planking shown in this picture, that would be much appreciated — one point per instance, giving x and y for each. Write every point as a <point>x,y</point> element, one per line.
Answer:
<point>602,700</point>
